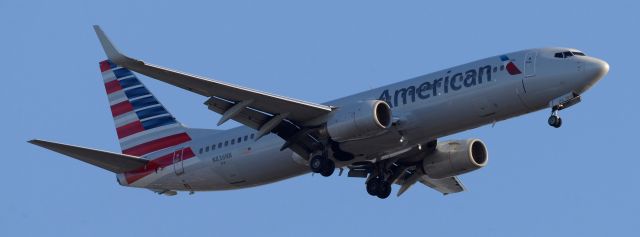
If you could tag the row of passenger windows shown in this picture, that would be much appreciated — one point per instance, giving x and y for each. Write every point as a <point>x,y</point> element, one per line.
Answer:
<point>226,143</point>
<point>567,54</point>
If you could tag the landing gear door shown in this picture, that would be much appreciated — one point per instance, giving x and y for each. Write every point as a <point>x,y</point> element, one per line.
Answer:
<point>530,64</point>
<point>178,166</point>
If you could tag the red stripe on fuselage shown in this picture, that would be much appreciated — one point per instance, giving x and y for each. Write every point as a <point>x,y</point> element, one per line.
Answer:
<point>158,144</point>
<point>121,108</point>
<point>156,164</point>
<point>129,129</point>
<point>112,86</point>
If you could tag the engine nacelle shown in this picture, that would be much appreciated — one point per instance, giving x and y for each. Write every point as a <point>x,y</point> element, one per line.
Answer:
<point>357,120</point>
<point>453,158</point>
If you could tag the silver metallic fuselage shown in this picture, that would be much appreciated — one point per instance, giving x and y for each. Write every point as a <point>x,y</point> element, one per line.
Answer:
<point>421,114</point>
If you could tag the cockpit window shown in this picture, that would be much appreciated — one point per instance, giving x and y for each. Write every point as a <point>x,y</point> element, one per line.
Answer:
<point>579,53</point>
<point>567,54</point>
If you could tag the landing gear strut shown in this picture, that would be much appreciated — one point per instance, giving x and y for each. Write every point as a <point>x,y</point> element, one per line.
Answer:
<point>554,120</point>
<point>322,164</point>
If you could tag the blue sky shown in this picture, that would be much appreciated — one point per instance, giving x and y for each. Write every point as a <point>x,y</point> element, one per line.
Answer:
<point>580,180</point>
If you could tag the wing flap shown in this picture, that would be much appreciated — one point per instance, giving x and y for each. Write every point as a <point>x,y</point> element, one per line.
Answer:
<point>445,185</point>
<point>114,162</point>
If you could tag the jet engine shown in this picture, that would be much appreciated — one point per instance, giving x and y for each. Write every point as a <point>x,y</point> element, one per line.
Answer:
<point>457,157</point>
<point>358,120</point>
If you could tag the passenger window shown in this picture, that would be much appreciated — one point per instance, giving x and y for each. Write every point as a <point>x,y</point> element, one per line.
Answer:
<point>233,141</point>
<point>226,143</point>
<point>246,137</point>
<point>252,136</point>
<point>206,149</point>
<point>213,147</point>
<point>200,151</point>
<point>495,69</point>
<point>501,67</point>
<point>239,139</point>
<point>567,54</point>
<point>220,145</point>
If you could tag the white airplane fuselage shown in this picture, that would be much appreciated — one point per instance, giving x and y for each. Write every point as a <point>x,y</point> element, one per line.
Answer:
<point>424,108</point>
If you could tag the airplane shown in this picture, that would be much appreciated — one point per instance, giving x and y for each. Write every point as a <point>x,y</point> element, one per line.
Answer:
<point>387,135</point>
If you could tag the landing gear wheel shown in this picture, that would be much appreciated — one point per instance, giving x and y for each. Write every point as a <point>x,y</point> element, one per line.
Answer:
<point>384,190</point>
<point>328,166</point>
<point>372,186</point>
<point>555,121</point>
<point>559,123</point>
<point>316,164</point>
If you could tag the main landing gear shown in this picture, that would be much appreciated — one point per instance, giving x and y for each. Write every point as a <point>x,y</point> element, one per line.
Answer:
<point>322,164</point>
<point>379,187</point>
<point>554,120</point>
<point>381,177</point>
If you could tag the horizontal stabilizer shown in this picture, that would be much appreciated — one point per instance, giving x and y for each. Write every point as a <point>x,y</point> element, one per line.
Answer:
<point>114,162</point>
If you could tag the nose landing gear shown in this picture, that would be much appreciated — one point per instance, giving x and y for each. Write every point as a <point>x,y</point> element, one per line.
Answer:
<point>561,103</point>
<point>554,120</point>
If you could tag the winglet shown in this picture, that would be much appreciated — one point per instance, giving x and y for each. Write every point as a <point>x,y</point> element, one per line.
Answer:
<point>112,53</point>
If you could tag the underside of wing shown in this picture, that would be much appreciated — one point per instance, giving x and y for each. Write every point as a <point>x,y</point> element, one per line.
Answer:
<point>114,162</point>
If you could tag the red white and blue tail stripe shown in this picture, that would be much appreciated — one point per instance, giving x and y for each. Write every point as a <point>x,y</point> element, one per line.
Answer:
<point>143,125</point>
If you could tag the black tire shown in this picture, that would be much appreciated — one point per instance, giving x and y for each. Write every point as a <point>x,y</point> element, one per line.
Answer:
<point>328,166</point>
<point>316,164</point>
<point>558,123</point>
<point>384,190</point>
<point>372,186</point>
<point>553,120</point>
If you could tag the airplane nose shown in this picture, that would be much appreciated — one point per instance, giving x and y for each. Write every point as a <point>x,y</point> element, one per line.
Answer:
<point>596,68</point>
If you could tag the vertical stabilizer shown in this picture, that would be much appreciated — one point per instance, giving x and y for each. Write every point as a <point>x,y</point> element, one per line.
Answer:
<point>142,124</point>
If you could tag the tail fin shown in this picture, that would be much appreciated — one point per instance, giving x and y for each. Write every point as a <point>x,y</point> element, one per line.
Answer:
<point>143,125</point>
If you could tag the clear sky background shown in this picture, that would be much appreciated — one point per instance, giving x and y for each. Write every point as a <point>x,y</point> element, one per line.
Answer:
<point>579,180</point>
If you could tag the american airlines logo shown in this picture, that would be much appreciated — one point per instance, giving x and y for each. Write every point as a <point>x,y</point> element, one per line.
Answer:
<point>443,85</point>
<point>511,67</point>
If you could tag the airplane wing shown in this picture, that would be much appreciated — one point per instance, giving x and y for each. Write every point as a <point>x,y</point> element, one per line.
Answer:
<point>445,185</point>
<point>245,98</point>
<point>265,112</point>
<point>114,162</point>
